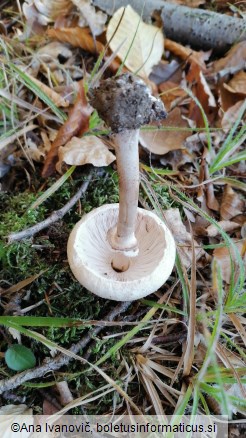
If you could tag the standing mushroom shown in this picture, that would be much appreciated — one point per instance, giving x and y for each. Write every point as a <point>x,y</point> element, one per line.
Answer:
<point>119,251</point>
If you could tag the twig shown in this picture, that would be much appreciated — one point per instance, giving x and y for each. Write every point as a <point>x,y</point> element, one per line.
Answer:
<point>54,217</point>
<point>61,359</point>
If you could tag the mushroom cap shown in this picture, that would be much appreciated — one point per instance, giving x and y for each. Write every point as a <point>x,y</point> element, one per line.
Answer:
<point>125,102</point>
<point>90,255</point>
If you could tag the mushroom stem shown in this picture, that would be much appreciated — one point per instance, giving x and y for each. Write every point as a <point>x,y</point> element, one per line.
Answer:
<point>122,237</point>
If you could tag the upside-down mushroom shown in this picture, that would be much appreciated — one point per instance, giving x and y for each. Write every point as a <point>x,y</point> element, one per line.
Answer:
<point>119,251</point>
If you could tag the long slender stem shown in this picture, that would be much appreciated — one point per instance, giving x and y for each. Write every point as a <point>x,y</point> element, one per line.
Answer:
<point>126,148</point>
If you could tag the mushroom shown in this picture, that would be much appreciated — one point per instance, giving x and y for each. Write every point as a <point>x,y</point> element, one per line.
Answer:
<point>119,251</point>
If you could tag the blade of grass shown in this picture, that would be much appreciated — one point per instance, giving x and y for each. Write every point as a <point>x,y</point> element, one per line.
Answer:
<point>51,190</point>
<point>37,91</point>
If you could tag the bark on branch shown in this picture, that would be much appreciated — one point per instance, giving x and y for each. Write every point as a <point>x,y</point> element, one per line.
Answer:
<point>199,28</point>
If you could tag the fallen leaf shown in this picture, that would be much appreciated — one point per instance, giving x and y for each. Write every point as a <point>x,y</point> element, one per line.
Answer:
<point>76,124</point>
<point>232,204</point>
<point>234,59</point>
<point>211,200</point>
<point>160,142</point>
<point>33,17</point>
<point>171,93</point>
<point>227,226</point>
<point>202,91</point>
<point>223,257</point>
<point>183,238</point>
<point>231,115</point>
<point>143,43</point>
<point>77,37</point>
<point>79,151</point>
<point>165,70</point>
<point>90,17</point>
<point>237,83</point>
<point>227,99</point>
<point>187,54</point>
<point>52,8</point>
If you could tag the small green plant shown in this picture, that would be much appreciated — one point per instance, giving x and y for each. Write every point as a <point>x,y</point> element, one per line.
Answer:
<point>19,358</point>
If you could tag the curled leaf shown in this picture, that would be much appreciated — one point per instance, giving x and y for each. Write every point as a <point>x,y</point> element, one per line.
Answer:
<point>231,205</point>
<point>77,37</point>
<point>223,257</point>
<point>89,149</point>
<point>161,142</point>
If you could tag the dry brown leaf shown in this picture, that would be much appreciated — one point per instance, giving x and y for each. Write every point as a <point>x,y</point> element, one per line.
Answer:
<point>222,256</point>
<point>228,99</point>
<point>237,84</point>
<point>228,226</point>
<point>76,124</point>
<point>202,91</point>
<point>232,204</point>
<point>143,43</point>
<point>79,151</point>
<point>233,92</point>
<point>211,200</point>
<point>161,142</point>
<point>165,70</point>
<point>187,54</point>
<point>182,238</point>
<point>231,115</point>
<point>171,93</point>
<point>234,59</point>
<point>77,37</point>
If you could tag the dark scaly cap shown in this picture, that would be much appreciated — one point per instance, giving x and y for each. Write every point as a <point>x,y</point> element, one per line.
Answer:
<point>125,102</point>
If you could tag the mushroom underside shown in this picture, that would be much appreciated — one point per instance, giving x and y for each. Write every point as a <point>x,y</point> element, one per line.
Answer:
<point>91,257</point>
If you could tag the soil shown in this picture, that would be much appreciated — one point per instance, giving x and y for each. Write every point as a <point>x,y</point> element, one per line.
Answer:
<point>124,102</point>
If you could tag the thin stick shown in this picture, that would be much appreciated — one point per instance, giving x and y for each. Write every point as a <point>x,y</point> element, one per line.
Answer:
<point>61,359</point>
<point>54,217</point>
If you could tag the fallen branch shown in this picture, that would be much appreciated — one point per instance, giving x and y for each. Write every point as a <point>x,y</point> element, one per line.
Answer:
<point>199,28</point>
<point>54,217</point>
<point>60,360</point>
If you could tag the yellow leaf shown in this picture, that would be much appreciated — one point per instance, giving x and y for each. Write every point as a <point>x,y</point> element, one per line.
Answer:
<point>144,42</point>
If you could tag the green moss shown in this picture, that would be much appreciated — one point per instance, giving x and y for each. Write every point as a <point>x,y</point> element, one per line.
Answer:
<point>19,258</point>
<point>62,295</point>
